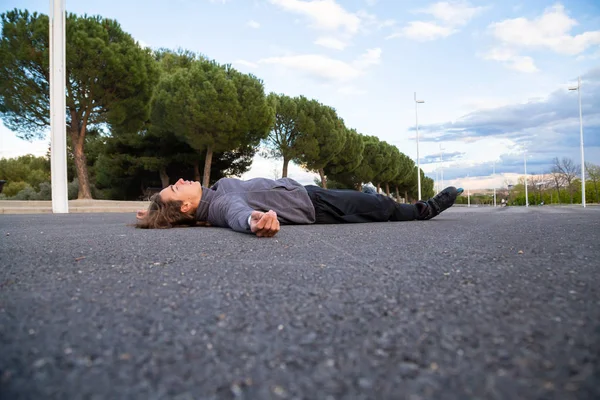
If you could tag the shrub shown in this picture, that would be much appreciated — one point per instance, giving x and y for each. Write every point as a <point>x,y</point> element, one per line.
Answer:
<point>28,193</point>
<point>45,192</point>
<point>12,188</point>
<point>73,189</point>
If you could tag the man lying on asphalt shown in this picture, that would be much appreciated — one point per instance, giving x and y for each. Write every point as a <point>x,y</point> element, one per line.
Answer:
<point>260,206</point>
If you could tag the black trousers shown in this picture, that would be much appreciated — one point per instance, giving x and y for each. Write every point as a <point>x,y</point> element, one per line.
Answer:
<point>350,206</point>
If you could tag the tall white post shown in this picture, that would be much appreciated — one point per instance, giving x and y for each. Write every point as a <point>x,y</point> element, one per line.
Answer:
<point>494,177</point>
<point>581,145</point>
<point>441,168</point>
<point>58,144</point>
<point>418,159</point>
<point>468,195</point>
<point>526,194</point>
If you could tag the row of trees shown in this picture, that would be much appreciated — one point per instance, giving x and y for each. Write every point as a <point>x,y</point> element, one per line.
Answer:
<point>560,185</point>
<point>139,118</point>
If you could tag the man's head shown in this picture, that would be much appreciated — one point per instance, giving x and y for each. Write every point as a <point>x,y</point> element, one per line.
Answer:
<point>175,205</point>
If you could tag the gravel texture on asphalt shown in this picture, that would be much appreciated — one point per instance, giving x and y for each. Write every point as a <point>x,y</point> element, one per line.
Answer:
<point>477,303</point>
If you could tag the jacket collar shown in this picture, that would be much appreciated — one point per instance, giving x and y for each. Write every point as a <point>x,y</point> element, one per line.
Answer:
<point>207,196</point>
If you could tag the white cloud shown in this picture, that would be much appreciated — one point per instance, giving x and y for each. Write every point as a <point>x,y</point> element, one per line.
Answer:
<point>369,21</point>
<point>326,68</point>
<point>317,66</point>
<point>550,31</point>
<point>420,30</point>
<point>371,57</point>
<point>331,43</point>
<point>456,13</point>
<point>253,24</point>
<point>351,90</point>
<point>323,14</point>
<point>246,63</point>
<point>512,60</point>
<point>447,18</point>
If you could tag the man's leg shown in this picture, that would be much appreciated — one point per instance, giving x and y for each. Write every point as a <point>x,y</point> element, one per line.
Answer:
<point>350,206</point>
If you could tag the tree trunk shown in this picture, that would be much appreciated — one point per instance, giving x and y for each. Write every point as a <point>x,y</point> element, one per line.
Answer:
<point>323,178</point>
<point>405,196</point>
<point>398,194</point>
<point>164,178</point>
<point>387,188</point>
<point>378,188</point>
<point>284,173</point>
<point>207,164</point>
<point>197,171</point>
<point>77,141</point>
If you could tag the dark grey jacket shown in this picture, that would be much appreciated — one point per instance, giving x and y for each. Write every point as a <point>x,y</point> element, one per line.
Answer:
<point>229,202</point>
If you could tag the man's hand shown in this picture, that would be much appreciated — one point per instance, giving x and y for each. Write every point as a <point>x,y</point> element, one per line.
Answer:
<point>264,224</point>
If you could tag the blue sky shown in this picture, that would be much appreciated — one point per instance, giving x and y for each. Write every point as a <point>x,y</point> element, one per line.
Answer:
<point>494,75</point>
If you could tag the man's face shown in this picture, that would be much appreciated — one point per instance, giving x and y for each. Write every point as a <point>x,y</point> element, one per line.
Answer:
<point>188,192</point>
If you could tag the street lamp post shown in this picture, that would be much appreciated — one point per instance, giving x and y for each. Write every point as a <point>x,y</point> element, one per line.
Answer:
<point>468,194</point>
<point>418,159</point>
<point>441,168</point>
<point>493,183</point>
<point>525,164</point>
<point>58,146</point>
<point>578,88</point>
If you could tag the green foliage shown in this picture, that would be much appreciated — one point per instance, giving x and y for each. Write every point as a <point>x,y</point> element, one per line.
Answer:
<point>109,78</point>
<point>30,169</point>
<point>45,192</point>
<point>27,193</point>
<point>350,157</point>
<point>373,161</point>
<point>13,187</point>
<point>212,108</point>
<point>406,179</point>
<point>323,138</point>
<point>287,134</point>
<point>391,168</point>
<point>427,186</point>
<point>24,63</point>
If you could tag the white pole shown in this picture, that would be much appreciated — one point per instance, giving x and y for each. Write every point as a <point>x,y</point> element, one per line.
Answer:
<point>418,159</point>
<point>437,182</point>
<point>493,177</point>
<point>58,144</point>
<point>441,168</point>
<point>468,194</point>
<point>526,194</point>
<point>581,145</point>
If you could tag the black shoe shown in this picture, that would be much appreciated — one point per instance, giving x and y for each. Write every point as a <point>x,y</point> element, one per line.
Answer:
<point>440,202</point>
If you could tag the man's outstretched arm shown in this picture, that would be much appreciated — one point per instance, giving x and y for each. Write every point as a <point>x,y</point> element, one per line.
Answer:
<point>232,212</point>
<point>264,224</point>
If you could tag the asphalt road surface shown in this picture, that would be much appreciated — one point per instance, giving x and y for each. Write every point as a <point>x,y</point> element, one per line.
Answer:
<point>476,304</point>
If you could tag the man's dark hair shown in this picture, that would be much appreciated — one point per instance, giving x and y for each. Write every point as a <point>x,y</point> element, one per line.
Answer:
<point>165,214</point>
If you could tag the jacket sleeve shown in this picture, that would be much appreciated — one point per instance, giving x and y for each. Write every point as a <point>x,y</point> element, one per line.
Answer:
<point>230,212</point>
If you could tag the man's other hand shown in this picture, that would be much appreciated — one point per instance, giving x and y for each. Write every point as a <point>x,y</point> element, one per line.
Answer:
<point>264,224</point>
